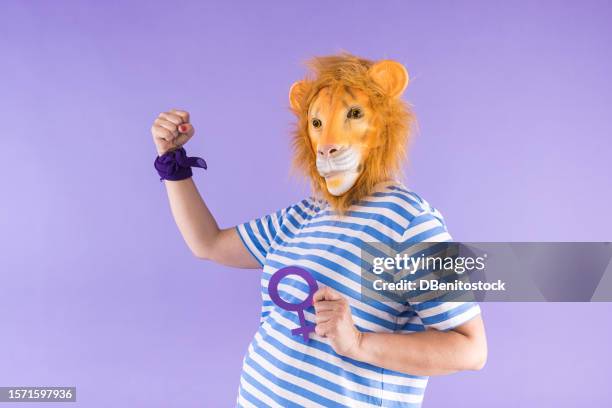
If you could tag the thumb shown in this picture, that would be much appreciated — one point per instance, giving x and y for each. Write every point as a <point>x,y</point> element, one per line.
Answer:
<point>186,129</point>
<point>326,293</point>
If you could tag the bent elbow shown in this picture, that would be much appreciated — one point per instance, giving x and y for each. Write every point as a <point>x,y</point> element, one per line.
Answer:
<point>480,359</point>
<point>201,253</point>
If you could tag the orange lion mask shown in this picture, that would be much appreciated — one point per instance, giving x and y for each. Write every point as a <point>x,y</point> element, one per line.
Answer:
<point>352,127</point>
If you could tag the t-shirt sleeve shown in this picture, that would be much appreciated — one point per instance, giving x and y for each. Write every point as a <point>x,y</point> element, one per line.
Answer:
<point>258,235</point>
<point>429,226</point>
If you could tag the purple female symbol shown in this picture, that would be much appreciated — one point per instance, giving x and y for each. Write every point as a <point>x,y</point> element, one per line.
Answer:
<point>304,328</point>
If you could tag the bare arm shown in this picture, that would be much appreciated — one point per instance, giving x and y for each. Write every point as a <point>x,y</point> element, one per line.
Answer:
<point>431,352</point>
<point>193,218</point>
<point>200,230</point>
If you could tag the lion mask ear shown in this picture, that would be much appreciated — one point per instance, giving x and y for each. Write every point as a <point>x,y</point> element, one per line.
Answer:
<point>296,95</point>
<point>391,76</point>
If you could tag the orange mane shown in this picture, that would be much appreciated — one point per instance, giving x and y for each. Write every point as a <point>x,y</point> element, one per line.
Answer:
<point>395,118</point>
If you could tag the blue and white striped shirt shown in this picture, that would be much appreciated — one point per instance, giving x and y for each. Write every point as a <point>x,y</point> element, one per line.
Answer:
<point>279,369</point>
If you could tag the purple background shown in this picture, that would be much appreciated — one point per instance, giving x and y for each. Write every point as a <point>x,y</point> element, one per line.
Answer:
<point>97,287</point>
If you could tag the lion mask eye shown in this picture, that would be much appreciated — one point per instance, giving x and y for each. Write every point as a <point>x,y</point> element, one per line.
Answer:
<point>354,113</point>
<point>316,123</point>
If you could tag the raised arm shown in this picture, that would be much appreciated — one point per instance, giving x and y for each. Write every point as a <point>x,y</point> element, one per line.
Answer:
<point>199,229</point>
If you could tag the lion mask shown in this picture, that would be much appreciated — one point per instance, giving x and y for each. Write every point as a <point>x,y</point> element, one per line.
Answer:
<point>352,127</point>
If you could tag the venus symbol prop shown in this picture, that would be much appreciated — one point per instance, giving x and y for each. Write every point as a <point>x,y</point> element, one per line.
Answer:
<point>305,328</point>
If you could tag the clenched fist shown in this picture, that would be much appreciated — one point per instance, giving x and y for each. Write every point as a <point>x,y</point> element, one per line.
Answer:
<point>335,321</point>
<point>171,130</point>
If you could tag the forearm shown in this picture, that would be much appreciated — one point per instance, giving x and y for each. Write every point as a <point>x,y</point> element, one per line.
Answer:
<point>200,230</point>
<point>430,352</point>
<point>193,218</point>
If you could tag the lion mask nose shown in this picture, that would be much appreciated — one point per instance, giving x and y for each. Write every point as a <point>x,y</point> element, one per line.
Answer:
<point>328,151</point>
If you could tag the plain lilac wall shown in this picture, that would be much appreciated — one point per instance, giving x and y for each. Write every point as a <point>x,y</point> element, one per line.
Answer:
<point>97,288</point>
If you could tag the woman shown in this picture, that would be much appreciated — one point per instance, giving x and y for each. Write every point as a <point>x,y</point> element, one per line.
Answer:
<point>350,138</point>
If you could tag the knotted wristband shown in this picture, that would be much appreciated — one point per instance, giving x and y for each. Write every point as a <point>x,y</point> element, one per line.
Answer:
<point>175,165</point>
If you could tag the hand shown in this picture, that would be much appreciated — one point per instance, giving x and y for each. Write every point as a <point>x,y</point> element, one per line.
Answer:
<point>171,130</point>
<point>335,322</point>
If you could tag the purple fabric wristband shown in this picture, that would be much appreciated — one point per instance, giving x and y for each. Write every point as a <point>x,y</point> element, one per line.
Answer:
<point>175,165</point>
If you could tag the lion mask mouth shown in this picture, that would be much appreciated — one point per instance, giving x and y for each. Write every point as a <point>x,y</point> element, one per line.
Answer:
<point>340,170</point>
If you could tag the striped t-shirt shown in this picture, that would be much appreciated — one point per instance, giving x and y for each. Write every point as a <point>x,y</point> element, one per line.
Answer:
<point>279,369</point>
